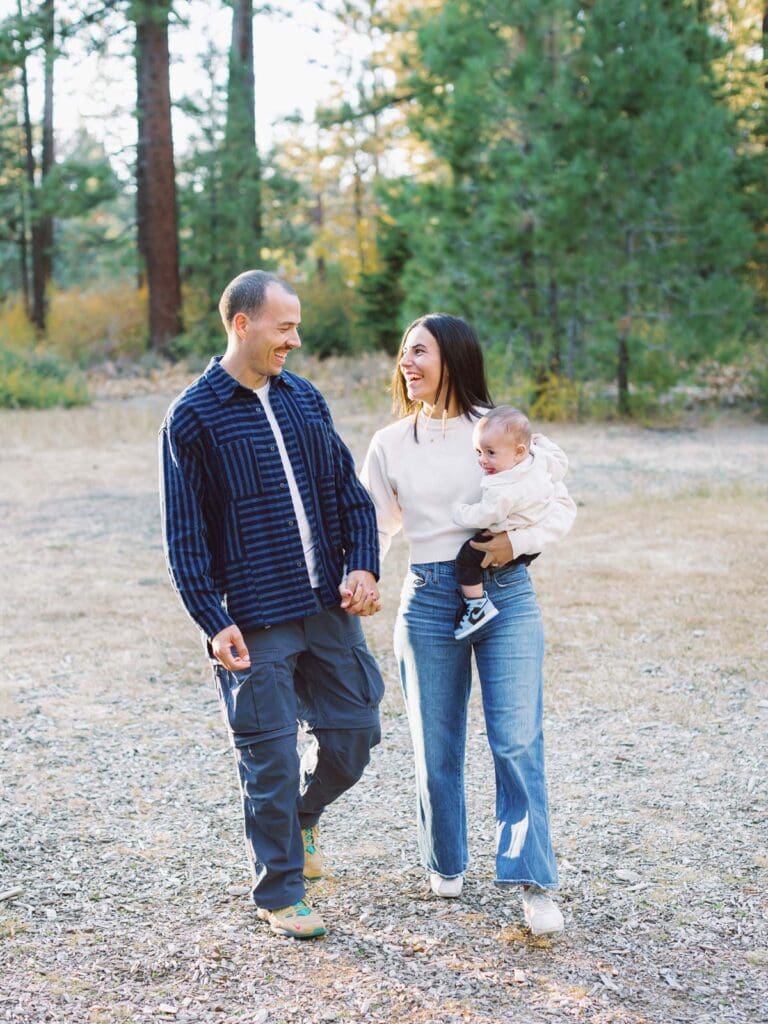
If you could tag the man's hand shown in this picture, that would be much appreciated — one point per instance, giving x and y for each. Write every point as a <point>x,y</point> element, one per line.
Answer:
<point>498,550</point>
<point>229,649</point>
<point>360,593</point>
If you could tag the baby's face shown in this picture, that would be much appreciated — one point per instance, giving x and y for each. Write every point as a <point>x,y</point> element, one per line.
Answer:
<point>496,450</point>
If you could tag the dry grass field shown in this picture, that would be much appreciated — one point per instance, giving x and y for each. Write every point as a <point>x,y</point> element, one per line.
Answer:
<point>122,874</point>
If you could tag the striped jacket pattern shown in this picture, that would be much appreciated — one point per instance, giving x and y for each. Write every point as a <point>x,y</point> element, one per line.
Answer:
<point>232,545</point>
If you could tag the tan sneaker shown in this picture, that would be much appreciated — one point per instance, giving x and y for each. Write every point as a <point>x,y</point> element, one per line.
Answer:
<point>314,866</point>
<point>300,921</point>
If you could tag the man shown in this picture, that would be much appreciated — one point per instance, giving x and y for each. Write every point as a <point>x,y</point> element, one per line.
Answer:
<point>271,544</point>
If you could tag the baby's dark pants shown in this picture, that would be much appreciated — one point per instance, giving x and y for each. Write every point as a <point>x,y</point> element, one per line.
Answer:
<point>469,562</point>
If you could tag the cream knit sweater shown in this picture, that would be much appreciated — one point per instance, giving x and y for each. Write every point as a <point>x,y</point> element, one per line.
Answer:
<point>415,487</point>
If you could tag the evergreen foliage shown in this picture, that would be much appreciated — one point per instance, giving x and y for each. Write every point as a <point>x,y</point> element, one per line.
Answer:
<point>12,191</point>
<point>381,292</point>
<point>240,164</point>
<point>586,183</point>
<point>326,313</point>
<point>586,191</point>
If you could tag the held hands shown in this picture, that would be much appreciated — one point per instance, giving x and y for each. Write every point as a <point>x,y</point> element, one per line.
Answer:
<point>360,593</point>
<point>359,596</point>
<point>229,649</point>
<point>498,550</point>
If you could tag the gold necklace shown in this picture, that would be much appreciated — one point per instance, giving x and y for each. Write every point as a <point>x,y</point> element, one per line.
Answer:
<point>429,429</point>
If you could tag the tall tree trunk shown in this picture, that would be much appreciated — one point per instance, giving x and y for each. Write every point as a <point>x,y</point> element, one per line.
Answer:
<point>211,271</point>
<point>573,348</point>
<point>141,187</point>
<point>622,366</point>
<point>24,264</point>
<point>529,290</point>
<point>28,204</point>
<point>556,327</point>
<point>624,328</point>
<point>242,165</point>
<point>553,50</point>
<point>318,219</point>
<point>241,92</point>
<point>358,191</point>
<point>42,227</point>
<point>530,295</point>
<point>155,177</point>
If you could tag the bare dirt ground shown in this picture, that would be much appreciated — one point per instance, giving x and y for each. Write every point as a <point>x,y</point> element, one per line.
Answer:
<point>123,887</point>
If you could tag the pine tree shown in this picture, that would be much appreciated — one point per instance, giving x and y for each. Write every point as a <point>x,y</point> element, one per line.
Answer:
<point>380,291</point>
<point>583,208</point>
<point>14,271</point>
<point>654,211</point>
<point>241,168</point>
<point>155,173</point>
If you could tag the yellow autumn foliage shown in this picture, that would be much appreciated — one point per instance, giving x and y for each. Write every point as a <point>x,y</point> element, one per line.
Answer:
<point>84,326</point>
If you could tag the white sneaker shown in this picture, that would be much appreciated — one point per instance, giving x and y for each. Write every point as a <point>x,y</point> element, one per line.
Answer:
<point>449,888</point>
<point>542,914</point>
<point>477,611</point>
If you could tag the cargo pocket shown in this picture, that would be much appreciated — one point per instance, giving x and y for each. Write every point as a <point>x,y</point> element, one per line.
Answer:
<point>371,682</point>
<point>256,700</point>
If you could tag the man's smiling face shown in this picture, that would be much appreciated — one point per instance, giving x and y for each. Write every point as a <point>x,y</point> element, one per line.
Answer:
<point>268,337</point>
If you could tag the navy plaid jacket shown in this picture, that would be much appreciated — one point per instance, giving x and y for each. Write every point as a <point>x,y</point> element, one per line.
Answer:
<point>232,544</point>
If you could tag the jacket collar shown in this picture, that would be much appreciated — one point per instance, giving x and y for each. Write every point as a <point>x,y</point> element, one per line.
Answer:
<point>224,384</point>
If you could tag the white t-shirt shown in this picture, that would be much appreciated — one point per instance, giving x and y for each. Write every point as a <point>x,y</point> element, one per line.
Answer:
<point>305,530</point>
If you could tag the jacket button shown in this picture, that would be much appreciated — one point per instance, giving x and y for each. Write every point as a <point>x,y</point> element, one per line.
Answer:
<point>290,522</point>
<point>299,565</point>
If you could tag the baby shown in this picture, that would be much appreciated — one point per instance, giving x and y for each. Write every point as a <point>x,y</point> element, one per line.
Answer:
<point>518,486</point>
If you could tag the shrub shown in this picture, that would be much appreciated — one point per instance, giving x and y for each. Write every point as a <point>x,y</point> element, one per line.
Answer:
<point>35,380</point>
<point>326,312</point>
<point>558,399</point>
<point>16,331</point>
<point>84,326</point>
<point>760,386</point>
<point>507,386</point>
<point>87,326</point>
<point>204,333</point>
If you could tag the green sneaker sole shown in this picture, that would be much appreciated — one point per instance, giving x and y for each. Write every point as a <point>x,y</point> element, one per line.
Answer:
<point>296,935</point>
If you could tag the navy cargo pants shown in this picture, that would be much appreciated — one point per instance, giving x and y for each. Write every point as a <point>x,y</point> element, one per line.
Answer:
<point>317,671</point>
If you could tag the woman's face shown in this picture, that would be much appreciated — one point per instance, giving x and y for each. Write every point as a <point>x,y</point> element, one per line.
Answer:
<point>420,365</point>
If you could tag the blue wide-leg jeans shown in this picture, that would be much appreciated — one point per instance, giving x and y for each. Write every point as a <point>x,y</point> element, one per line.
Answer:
<point>435,671</point>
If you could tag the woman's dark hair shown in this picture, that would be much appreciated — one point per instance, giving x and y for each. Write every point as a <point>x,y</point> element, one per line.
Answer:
<point>461,364</point>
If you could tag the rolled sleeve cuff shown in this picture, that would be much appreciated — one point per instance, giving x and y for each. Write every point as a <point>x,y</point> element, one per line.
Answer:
<point>212,621</point>
<point>364,559</point>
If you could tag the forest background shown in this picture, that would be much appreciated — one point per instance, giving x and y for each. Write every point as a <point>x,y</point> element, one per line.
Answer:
<point>585,182</point>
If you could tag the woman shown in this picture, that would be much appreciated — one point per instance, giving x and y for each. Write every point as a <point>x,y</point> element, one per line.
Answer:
<point>416,471</point>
